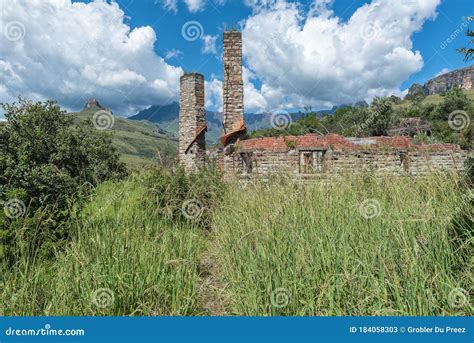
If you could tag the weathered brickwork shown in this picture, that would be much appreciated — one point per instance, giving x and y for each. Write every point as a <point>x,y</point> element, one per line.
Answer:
<point>233,89</point>
<point>192,121</point>
<point>303,157</point>
<point>311,156</point>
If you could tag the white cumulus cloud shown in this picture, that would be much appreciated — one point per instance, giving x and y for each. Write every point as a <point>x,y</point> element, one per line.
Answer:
<point>73,51</point>
<point>170,5</point>
<point>253,99</point>
<point>213,94</point>
<point>195,5</point>
<point>173,53</point>
<point>314,58</point>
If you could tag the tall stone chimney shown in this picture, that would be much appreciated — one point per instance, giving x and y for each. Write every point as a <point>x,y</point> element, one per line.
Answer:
<point>192,121</point>
<point>233,126</point>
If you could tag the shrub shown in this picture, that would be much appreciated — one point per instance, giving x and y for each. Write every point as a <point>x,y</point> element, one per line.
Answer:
<point>422,137</point>
<point>189,197</point>
<point>44,163</point>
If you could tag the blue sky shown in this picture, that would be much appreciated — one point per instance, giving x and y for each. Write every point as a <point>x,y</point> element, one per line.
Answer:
<point>215,18</point>
<point>129,54</point>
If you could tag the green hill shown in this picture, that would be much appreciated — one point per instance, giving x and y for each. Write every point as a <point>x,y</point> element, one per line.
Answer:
<point>437,99</point>
<point>139,142</point>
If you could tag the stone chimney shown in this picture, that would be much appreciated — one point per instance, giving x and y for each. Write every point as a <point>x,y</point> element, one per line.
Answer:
<point>233,126</point>
<point>192,121</point>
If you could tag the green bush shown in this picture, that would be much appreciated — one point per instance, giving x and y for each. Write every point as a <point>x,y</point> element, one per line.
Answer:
<point>45,164</point>
<point>186,197</point>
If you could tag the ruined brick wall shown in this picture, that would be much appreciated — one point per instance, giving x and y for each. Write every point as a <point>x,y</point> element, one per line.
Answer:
<point>233,87</point>
<point>422,163</point>
<point>396,162</point>
<point>262,163</point>
<point>192,122</point>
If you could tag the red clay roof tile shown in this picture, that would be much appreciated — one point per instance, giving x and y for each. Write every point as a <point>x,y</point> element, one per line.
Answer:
<point>337,142</point>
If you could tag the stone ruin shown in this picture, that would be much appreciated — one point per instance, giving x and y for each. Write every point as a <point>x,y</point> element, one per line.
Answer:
<point>305,157</point>
<point>233,126</point>
<point>192,121</point>
<point>411,127</point>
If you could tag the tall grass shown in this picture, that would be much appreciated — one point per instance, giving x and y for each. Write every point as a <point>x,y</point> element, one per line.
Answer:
<point>147,266</point>
<point>357,246</point>
<point>354,246</point>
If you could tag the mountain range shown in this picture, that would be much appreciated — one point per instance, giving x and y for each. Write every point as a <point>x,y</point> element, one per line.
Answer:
<point>154,130</point>
<point>167,117</point>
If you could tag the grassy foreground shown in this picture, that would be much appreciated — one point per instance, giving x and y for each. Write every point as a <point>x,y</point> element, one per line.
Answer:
<point>379,246</point>
<point>123,260</point>
<point>357,246</point>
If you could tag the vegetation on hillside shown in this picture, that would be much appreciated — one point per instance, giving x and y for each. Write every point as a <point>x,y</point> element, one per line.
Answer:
<point>138,142</point>
<point>47,167</point>
<point>119,244</point>
<point>454,108</point>
<point>81,236</point>
<point>361,246</point>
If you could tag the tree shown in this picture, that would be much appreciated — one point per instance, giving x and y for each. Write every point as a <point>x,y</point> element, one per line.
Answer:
<point>395,99</point>
<point>44,162</point>
<point>454,119</point>
<point>381,116</point>
<point>468,51</point>
<point>454,100</point>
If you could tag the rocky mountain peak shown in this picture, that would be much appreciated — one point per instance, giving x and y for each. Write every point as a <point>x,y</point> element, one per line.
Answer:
<point>463,78</point>
<point>92,103</point>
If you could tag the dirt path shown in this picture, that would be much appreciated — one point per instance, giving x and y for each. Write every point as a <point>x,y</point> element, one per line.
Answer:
<point>211,288</point>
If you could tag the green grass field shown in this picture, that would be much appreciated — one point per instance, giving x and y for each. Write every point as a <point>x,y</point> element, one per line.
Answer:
<point>387,246</point>
<point>357,246</point>
<point>150,266</point>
